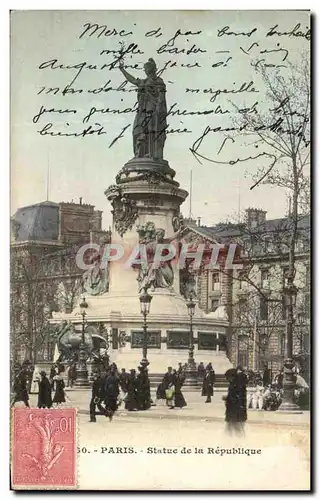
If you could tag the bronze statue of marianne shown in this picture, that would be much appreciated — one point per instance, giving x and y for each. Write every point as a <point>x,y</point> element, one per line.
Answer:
<point>149,128</point>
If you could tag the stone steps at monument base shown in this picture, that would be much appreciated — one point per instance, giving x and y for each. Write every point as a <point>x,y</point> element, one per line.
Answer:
<point>220,383</point>
<point>154,376</point>
<point>160,359</point>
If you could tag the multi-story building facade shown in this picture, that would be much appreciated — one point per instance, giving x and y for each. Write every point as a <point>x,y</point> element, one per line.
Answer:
<point>254,296</point>
<point>44,275</point>
<point>45,278</point>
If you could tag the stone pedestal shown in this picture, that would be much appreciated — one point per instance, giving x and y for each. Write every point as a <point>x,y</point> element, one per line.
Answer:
<point>146,192</point>
<point>288,404</point>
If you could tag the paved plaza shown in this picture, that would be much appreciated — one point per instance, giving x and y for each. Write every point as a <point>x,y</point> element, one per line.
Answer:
<point>152,453</point>
<point>196,410</point>
<point>161,449</point>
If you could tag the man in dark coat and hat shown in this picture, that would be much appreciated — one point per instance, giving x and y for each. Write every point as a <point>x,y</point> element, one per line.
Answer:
<point>208,382</point>
<point>123,380</point>
<point>44,395</point>
<point>97,397</point>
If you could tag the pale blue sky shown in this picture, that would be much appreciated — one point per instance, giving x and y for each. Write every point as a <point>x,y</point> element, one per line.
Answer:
<point>86,166</point>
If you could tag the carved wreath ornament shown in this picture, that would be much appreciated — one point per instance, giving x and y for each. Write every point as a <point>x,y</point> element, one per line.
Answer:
<point>124,212</point>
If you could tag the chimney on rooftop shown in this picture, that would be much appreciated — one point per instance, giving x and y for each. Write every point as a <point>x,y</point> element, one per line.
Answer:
<point>255,217</point>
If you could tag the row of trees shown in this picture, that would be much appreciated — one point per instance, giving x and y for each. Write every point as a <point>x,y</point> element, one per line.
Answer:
<point>42,281</point>
<point>281,132</point>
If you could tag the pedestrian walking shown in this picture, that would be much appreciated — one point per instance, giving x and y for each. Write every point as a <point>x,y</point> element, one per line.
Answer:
<point>130,400</point>
<point>278,380</point>
<point>111,394</point>
<point>143,389</point>
<point>266,377</point>
<point>20,390</point>
<point>165,384</point>
<point>236,401</point>
<point>208,382</point>
<point>123,380</point>
<point>44,395</point>
<point>258,396</point>
<point>53,373</point>
<point>178,380</point>
<point>201,371</point>
<point>73,374</point>
<point>96,397</point>
<point>59,385</point>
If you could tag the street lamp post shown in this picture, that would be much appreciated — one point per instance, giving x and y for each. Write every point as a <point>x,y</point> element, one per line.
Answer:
<point>288,404</point>
<point>82,371</point>
<point>191,371</point>
<point>300,319</point>
<point>145,301</point>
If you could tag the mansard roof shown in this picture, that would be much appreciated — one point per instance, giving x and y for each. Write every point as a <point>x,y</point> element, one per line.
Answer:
<point>228,230</point>
<point>38,222</point>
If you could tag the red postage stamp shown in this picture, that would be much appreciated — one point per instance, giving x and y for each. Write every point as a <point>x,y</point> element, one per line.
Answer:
<point>44,448</point>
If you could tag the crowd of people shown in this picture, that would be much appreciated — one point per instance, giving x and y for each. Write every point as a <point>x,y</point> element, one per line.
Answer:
<point>267,390</point>
<point>22,387</point>
<point>112,389</point>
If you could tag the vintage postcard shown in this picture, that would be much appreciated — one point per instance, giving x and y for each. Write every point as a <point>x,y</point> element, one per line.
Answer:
<point>160,250</point>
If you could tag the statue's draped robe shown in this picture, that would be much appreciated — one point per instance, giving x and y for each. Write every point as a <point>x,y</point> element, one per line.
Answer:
<point>161,277</point>
<point>151,118</point>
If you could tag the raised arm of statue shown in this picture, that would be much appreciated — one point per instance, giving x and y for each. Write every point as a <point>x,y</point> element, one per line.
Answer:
<point>177,234</point>
<point>127,75</point>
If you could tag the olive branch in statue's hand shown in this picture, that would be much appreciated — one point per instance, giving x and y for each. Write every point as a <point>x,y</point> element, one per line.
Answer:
<point>121,52</point>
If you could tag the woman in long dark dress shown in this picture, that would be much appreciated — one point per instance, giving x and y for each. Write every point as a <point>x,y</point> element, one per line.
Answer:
<point>44,395</point>
<point>179,401</point>
<point>20,390</point>
<point>111,394</point>
<point>131,397</point>
<point>59,396</point>
<point>143,389</point>
<point>236,401</point>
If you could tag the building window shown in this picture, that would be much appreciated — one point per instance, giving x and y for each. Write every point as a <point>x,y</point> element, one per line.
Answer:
<point>263,343</point>
<point>307,276</point>
<point>241,278</point>
<point>215,277</point>
<point>214,304</point>
<point>284,307</point>
<point>265,278</point>
<point>242,307</point>
<point>243,355</point>
<point>115,343</point>
<point>299,246</point>
<point>285,276</point>
<point>263,309</point>
<point>282,344</point>
<point>307,305</point>
<point>17,314</point>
